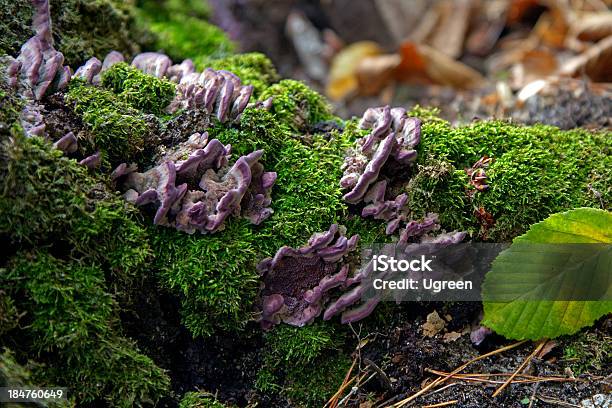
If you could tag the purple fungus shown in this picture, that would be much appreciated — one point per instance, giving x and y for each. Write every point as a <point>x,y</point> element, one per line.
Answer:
<point>89,70</point>
<point>303,278</point>
<point>93,161</point>
<point>152,63</point>
<point>67,143</point>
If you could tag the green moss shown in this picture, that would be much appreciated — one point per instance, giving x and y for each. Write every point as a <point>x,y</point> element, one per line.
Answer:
<point>81,28</point>
<point>296,105</point>
<point>200,399</point>
<point>141,91</point>
<point>303,363</point>
<point>306,197</point>
<point>536,170</point>
<point>300,345</point>
<point>184,37</point>
<point>439,187</point>
<point>258,129</point>
<point>72,319</point>
<point>10,108</point>
<point>252,68</point>
<point>119,130</point>
<point>587,352</point>
<point>9,315</point>
<point>314,385</point>
<point>214,275</point>
<point>48,199</point>
<point>181,29</point>
<point>15,27</point>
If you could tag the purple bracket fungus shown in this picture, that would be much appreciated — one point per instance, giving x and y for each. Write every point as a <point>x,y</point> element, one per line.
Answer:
<point>32,120</point>
<point>195,189</point>
<point>391,142</point>
<point>39,66</point>
<point>67,143</point>
<point>152,63</point>
<point>89,70</point>
<point>93,161</point>
<point>353,304</point>
<point>297,282</point>
<point>220,93</point>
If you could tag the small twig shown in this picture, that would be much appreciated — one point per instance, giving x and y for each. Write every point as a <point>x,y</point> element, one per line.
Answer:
<point>332,401</point>
<point>380,372</point>
<point>533,397</point>
<point>484,377</point>
<point>550,400</point>
<point>518,370</point>
<point>457,370</point>
<point>441,404</point>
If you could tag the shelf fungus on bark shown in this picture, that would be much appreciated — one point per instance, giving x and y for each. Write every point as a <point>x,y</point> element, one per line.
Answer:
<point>297,282</point>
<point>193,187</point>
<point>390,145</point>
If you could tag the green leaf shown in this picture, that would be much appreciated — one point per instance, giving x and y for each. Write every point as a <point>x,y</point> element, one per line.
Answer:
<point>525,279</point>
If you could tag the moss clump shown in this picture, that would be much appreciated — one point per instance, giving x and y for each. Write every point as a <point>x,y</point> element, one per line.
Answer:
<point>9,315</point>
<point>48,199</point>
<point>141,91</point>
<point>300,345</point>
<point>72,320</point>
<point>315,385</point>
<point>118,129</point>
<point>258,129</point>
<point>81,28</point>
<point>306,197</point>
<point>536,171</point>
<point>214,275</point>
<point>296,105</point>
<point>303,363</point>
<point>439,187</point>
<point>200,399</point>
<point>10,108</point>
<point>252,68</point>
<point>181,29</point>
<point>587,352</point>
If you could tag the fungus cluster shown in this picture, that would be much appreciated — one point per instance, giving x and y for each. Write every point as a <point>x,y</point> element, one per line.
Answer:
<point>193,187</point>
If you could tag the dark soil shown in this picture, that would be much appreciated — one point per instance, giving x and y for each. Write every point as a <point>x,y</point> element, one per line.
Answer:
<point>227,364</point>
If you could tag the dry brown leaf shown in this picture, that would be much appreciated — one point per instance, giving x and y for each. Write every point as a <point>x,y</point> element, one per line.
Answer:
<point>592,26</point>
<point>342,81</point>
<point>375,73</point>
<point>451,336</point>
<point>488,25</point>
<point>594,62</point>
<point>434,324</point>
<point>551,28</point>
<point>423,64</point>
<point>451,30</point>
<point>534,64</point>
<point>547,348</point>
<point>518,9</point>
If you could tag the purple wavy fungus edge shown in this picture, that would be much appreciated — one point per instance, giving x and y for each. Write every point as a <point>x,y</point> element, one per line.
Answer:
<point>193,187</point>
<point>354,305</point>
<point>392,140</point>
<point>298,282</point>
